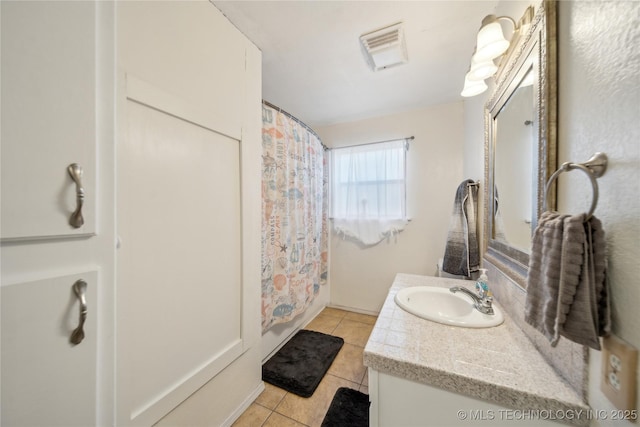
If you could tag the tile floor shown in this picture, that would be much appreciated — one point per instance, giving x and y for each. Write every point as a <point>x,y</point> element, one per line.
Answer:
<point>276,407</point>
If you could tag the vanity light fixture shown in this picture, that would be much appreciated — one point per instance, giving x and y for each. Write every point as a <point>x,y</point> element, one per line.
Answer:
<point>490,45</point>
<point>491,42</point>
<point>482,69</point>
<point>473,87</point>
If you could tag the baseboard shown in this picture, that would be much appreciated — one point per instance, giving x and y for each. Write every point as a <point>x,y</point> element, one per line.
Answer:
<point>245,404</point>
<point>354,310</point>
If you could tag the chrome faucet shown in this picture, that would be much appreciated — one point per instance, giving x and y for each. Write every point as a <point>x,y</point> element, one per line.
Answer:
<point>482,301</point>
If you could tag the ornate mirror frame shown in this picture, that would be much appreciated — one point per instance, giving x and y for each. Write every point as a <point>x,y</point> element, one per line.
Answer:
<point>535,48</point>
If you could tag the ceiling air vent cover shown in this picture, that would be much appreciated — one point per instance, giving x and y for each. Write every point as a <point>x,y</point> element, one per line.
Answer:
<point>385,47</point>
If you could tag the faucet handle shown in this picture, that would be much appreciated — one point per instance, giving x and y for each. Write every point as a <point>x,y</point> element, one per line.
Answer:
<point>486,304</point>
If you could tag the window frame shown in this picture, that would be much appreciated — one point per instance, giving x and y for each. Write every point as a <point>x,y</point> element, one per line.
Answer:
<point>393,181</point>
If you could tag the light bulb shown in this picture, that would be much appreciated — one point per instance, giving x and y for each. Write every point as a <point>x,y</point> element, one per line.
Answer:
<point>483,69</point>
<point>473,87</point>
<point>491,42</point>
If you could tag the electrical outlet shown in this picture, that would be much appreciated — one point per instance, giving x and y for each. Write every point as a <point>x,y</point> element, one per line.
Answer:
<point>619,362</point>
<point>614,381</point>
<point>615,362</point>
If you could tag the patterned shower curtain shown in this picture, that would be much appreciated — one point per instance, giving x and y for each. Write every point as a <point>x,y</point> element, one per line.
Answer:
<point>294,217</point>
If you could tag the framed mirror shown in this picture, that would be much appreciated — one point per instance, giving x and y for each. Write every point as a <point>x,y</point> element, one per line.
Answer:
<point>520,143</point>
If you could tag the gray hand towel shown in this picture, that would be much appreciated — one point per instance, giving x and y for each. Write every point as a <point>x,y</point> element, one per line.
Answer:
<point>567,290</point>
<point>541,303</point>
<point>584,305</point>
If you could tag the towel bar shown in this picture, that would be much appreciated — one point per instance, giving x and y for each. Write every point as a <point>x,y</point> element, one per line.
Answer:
<point>595,167</point>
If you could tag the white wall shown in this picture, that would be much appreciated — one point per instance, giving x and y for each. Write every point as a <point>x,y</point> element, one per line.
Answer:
<point>599,106</point>
<point>599,109</point>
<point>360,277</point>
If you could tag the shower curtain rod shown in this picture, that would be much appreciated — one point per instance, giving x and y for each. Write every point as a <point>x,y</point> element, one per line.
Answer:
<point>297,120</point>
<point>409,138</point>
<point>303,124</point>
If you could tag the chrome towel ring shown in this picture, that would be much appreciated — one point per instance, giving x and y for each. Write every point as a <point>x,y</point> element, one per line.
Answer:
<point>595,167</point>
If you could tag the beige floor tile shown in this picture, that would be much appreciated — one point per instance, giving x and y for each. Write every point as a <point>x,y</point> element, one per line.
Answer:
<point>336,312</point>
<point>365,380</point>
<point>277,420</point>
<point>254,416</point>
<point>271,396</point>
<point>348,364</point>
<point>346,371</point>
<point>311,411</point>
<point>359,317</point>
<point>325,323</point>
<point>356,333</point>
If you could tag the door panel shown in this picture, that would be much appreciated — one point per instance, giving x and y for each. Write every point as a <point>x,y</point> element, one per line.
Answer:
<point>48,116</point>
<point>179,261</point>
<point>46,380</point>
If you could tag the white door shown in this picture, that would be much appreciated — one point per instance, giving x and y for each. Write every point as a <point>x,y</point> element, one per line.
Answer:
<point>179,303</point>
<point>56,226</point>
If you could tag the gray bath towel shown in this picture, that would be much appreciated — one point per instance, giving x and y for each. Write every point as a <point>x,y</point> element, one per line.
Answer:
<point>567,293</point>
<point>461,254</point>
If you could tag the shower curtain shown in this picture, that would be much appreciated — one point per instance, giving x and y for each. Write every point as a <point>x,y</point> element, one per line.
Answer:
<point>294,217</point>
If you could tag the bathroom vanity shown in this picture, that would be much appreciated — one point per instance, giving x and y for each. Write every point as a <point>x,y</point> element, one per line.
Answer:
<point>427,373</point>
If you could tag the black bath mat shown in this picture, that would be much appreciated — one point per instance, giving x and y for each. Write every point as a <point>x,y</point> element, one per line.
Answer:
<point>349,408</point>
<point>301,363</point>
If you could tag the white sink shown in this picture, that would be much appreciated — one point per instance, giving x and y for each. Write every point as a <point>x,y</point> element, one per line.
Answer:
<point>443,306</point>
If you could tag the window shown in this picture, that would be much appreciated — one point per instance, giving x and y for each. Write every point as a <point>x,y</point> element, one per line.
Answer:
<point>368,187</point>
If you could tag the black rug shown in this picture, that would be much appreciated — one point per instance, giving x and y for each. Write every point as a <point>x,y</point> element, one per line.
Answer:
<point>349,408</point>
<point>301,363</point>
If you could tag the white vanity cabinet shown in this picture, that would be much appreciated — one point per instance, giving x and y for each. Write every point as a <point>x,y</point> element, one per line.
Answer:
<point>425,373</point>
<point>398,402</point>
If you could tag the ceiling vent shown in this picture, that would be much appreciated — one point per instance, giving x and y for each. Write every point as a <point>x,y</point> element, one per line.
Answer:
<point>385,47</point>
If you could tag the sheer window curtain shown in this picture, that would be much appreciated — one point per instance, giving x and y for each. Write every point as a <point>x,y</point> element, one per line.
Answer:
<point>368,190</point>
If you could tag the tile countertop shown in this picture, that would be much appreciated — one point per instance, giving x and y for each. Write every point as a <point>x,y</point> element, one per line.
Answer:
<point>498,364</point>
